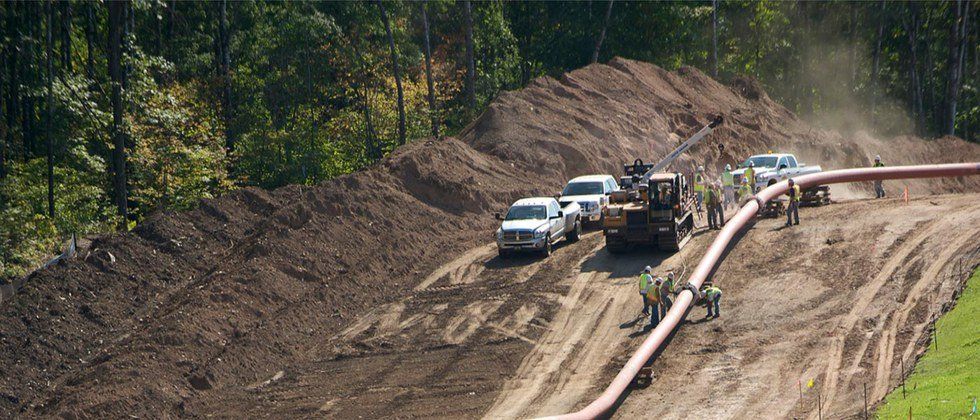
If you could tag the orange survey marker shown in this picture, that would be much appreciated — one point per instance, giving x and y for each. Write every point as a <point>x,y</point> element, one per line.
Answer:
<point>905,195</point>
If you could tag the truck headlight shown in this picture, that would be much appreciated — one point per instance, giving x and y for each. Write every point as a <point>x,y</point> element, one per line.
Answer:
<point>500,234</point>
<point>538,234</point>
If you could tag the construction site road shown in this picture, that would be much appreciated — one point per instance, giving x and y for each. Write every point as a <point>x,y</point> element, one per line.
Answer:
<point>858,282</point>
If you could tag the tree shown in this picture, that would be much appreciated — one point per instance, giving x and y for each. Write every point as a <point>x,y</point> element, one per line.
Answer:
<point>602,33</point>
<point>957,38</point>
<point>428,69</point>
<point>117,20</point>
<point>714,38</point>
<point>876,59</point>
<point>470,60</point>
<point>224,70</point>
<point>394,66</point>
<point>48,105</point>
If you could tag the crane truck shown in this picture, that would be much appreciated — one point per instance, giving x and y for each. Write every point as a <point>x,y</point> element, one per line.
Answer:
<point>654,207</point>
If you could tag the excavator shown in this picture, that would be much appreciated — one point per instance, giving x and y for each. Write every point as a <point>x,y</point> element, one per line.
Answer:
<point>654,207</point>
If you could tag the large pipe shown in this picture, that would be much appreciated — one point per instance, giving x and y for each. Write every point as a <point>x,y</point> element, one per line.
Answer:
<point>740,221</point>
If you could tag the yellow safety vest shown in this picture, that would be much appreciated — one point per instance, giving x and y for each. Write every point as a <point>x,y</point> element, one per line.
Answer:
<point>699,182</point>
<point>653,295</point>
<point>795,197</point>
<point>744,191</point>
<point>711,292</point>
<point>727,179</point>
<point>750,175</point>
<point>645,280</point>
<point>879,164</point>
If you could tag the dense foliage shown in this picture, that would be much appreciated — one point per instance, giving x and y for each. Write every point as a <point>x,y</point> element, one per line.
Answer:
<point>218,94</point>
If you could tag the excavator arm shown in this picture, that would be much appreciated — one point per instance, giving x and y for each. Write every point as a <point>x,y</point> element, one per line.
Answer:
<point>695,139</point>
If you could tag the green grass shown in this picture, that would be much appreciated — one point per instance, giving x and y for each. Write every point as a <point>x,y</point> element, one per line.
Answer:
<point>945,381</point>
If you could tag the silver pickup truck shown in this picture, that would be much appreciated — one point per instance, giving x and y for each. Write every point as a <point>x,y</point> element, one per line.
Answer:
<point>536,224</point>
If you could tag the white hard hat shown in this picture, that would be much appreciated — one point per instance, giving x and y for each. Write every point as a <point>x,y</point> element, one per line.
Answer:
<point>670,274</point>
<point>751,163</point>
<point>700,168</point>
<point>877,157</point>
<point>791,182</point>
<point>660,280</point>
<point>647,269</point>
<point>728,167</point>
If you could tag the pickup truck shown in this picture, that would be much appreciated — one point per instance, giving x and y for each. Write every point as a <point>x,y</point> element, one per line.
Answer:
<point>591,192</point>
<point>772,168</point>
<point>536,224</point>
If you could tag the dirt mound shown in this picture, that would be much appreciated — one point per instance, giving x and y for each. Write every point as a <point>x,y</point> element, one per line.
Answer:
<point>192,307</point>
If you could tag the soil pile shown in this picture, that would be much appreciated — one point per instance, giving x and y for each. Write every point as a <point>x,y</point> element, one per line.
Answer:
<point>191,307</point>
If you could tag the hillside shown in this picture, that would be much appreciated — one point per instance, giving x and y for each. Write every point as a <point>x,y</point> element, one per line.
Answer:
<point>191,312</point>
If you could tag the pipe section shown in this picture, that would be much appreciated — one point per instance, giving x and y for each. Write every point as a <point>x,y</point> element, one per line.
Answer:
<point>605,402</point>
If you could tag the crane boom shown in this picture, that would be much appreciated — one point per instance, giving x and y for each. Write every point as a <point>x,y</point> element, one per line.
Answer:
<point>683,147</point>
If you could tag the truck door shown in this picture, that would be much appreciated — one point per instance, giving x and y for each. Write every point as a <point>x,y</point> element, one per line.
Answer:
<point>555,223</point>
<point>782,168</point>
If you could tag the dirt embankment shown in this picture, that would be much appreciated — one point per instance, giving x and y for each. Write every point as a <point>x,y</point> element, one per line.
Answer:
<point>192,308</point>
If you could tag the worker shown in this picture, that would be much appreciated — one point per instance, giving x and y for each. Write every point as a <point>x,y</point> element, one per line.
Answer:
<point>728,186</point>
<point>793,209</point>
<point>749,174</point>
<point>666,291</point>
<point>716,212</point>
<point>745,190</point>
<point>699,186</point>
<point>712,294</point>
<point>653,299</point>
<point>879,190</point>
<point>646,280</point>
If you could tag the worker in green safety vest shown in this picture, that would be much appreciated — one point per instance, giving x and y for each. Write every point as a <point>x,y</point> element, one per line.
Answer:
<point>728,185</point>
<point>699,186</point>
<point>745,190</point>
<point>666,291</point>
<point>712,296</point>
<point>654,300</point>
<point>793,209</point>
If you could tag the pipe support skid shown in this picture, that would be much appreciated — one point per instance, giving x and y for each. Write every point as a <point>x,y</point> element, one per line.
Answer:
<point>605,402</point>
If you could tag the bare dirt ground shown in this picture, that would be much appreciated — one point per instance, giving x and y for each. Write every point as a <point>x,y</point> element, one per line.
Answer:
<point>376,294</point>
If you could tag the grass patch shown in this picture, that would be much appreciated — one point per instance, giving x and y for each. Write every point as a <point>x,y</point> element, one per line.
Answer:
<point>946,381</point>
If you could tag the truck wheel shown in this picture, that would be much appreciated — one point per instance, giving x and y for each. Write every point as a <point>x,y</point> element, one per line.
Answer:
<point>576,232</point>
<point>503,253</point>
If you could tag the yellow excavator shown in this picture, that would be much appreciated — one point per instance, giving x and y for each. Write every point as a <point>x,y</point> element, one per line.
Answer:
<point>654,207</point>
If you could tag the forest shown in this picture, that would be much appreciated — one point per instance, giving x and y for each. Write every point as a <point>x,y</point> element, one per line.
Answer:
<point>113,110</point>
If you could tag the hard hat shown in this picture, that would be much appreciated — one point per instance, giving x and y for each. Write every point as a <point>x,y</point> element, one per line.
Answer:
<point>660,280</point>
<point>745,180</point>
<point>877,157</point>
<point>647,269</point>
<point>751,163</point>
<point>670,274</point>
<point>728,167</point>
<point>700,168</point>
<point>791,182</point>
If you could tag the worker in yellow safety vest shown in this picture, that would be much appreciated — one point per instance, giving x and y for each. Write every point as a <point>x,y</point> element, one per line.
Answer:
<point>666,291</point>
<point>749,174</point>
<point>728,185</point>
<point>793,209</point>
<point>699,186</point>
<point>879,190</point>
<point>712,294</point>
<point>646,280</point>
<point>745,190</point>
<point>653,299</point>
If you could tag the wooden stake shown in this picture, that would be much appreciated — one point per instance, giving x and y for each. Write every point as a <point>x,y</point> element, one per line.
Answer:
<point>903,381</point>
<point>865,401</point>
<point>800,384</point>
<point>819,407</point>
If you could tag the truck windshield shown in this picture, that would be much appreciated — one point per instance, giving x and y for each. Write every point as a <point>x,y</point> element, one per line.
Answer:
<point>760,161</point>
<point>582,188</point>
<point>526,213</point>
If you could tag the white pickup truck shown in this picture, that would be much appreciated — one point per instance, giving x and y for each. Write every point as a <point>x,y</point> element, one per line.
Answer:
<point>591,192</point>
<point>772,168</point>
<point>536,224</point>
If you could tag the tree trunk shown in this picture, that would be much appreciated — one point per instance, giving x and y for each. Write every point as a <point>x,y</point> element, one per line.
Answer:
<point>66,35</point>
<point>433,111</point>
<point>953,66</point>
<point>398,78</point>
<point>911,29</point>
<point>470,59</point>
<point>602,34</point>
<point>876,61</point>
<point>714,38</point>
<point>371,140</point>
<point>29,78</point>
<point>225,71</point>
<point>48,108</point>
<point>13,83</point>
<point>90,40</point>
<point>117,20</point>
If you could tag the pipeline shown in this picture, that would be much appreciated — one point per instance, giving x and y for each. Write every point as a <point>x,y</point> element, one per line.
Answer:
<point>605,402</point>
